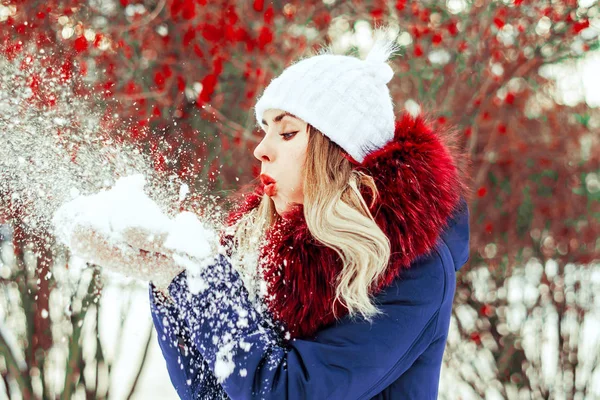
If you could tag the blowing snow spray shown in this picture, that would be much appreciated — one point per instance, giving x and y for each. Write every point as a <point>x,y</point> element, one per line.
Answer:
<point>69,153</point>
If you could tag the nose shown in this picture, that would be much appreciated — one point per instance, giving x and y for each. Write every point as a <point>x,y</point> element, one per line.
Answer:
<point>262,151</point>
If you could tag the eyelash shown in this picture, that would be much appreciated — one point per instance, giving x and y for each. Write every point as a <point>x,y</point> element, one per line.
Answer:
<point>283,135</point>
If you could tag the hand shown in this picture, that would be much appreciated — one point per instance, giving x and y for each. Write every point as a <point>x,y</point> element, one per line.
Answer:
<point>122,258</point>
<point>122,229</point>
<point>187,237</point>
<point>124,208</point>
<point>143,239</point>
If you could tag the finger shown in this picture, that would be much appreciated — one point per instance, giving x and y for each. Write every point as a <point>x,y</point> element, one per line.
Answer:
<point>144,240</point>
<point>96,248</point>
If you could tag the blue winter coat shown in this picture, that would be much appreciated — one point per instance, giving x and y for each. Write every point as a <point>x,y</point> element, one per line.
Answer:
<point>397,356</point>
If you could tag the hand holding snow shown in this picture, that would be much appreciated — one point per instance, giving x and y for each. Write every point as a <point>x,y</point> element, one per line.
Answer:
<point>127,219</point>
<point>111,212</point>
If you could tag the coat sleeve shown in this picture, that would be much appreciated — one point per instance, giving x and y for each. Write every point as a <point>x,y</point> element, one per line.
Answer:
<point>190,375</point>
<point>352,359</point>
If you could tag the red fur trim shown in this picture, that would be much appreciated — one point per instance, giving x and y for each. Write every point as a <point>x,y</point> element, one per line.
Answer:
<point>419,186</point>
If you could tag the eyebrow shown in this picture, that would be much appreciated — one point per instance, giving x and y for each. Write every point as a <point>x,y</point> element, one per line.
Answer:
<point>280,117</point>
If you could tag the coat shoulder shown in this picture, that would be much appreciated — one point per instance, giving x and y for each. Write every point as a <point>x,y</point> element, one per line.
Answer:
<point>427,288</point>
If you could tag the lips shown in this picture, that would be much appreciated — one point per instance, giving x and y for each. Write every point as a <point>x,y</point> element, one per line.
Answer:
<point>270,185</point>
<point>271,190</point>
<point>266,179</point>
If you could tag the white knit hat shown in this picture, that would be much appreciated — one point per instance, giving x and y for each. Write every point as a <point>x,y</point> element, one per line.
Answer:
<point>344,97</point>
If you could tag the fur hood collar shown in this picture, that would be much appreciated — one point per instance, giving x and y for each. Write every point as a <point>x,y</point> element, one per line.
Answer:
<point>420,184</point>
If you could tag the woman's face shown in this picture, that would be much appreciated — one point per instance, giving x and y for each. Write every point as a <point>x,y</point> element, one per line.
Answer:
<point>282,152</point>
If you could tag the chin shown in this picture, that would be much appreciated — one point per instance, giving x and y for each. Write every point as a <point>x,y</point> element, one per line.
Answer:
<point>280,205</point>
<point>285,207</point>
<point>280,210</point>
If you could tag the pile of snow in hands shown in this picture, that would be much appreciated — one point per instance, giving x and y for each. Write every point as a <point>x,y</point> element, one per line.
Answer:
<point>125,209</point>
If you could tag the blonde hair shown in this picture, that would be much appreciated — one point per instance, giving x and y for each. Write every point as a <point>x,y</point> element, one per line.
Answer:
<point>337,216</point>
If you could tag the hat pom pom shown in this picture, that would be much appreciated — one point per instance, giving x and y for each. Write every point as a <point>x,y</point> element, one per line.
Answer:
<point>382,73</point>
<point>380,53</point>
<point>383,48</point>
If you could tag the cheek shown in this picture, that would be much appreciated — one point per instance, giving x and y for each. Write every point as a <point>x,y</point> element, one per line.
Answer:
<point>295,160</point>
<point>297,172</point>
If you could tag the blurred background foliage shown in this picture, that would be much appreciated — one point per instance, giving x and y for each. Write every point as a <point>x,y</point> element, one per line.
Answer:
<point>178,79</point>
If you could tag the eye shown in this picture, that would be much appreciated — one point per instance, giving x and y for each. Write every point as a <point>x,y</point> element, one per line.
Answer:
<point>288,136</point>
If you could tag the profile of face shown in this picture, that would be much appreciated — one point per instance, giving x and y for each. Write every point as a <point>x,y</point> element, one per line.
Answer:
<point>282,153</point>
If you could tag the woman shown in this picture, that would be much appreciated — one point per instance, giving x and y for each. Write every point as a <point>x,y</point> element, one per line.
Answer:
<point>339,271</point>
<point>336,274</point>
